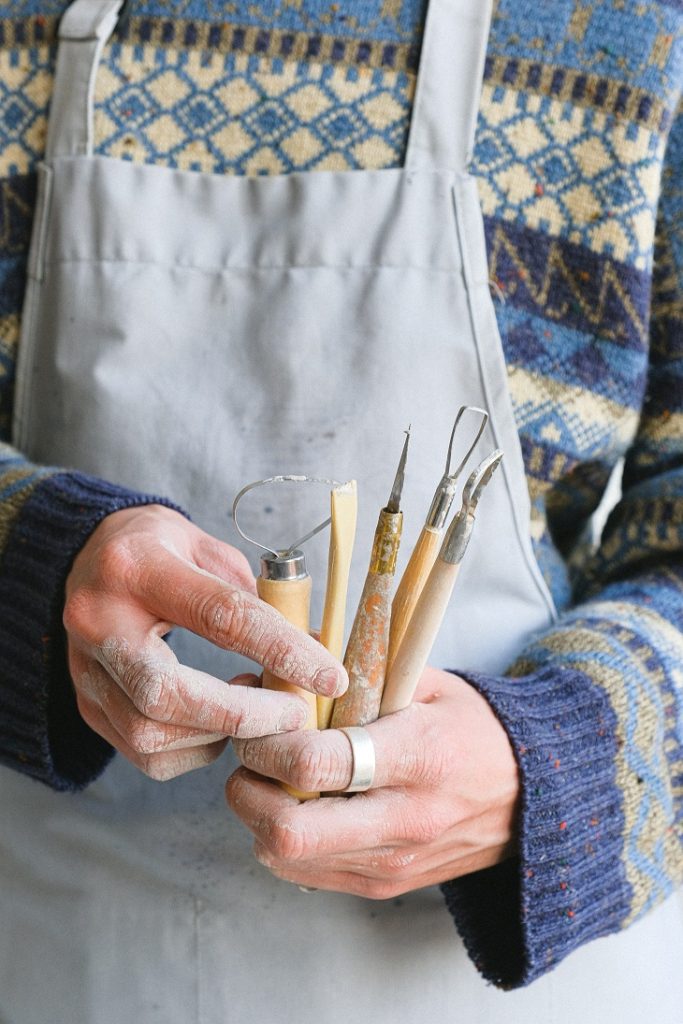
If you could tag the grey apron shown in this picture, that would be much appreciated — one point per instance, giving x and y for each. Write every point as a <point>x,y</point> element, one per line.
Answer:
<point>184,334</point>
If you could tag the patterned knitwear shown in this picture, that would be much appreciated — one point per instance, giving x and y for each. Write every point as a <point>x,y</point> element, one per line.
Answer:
<point>579,158</point>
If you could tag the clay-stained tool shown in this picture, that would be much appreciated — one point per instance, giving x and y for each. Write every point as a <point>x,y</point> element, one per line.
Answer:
<point>284,583</point>
<point>344,509</point>
<point>428,543</point>
<point>411,657</point>
<point>366,652</point>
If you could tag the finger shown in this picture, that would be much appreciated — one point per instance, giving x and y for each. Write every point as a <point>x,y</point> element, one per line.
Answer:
<point>142,734</point>
<point>350,882</point>
<point>300,832</point>
<point>322,762</point>
<point>182,593</point>
<point>165,691</point>
<point>224,561</point>
<point>450,857</point>
<point>159,766</point>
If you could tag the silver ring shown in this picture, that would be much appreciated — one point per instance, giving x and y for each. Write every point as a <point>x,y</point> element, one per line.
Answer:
<point>363,751</point>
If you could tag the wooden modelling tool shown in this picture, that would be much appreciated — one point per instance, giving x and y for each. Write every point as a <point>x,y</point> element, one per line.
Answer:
<point>284,584</point>
<point>412,655</point>
<point>344,508</point>
<point>366,652</point>
<point>428,543</point>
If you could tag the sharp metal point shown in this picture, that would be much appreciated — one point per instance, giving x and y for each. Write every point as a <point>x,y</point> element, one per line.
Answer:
<point>394,503</point>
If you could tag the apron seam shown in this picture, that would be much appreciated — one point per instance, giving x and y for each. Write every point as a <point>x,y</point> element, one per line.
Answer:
<point>229,268</point>
<point>478,295</point>
<point>27,341</point>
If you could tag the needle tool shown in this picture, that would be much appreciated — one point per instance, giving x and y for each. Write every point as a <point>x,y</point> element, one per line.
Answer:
<point>366,652</point>
<point>427,548</point>
<point>284,583</point>
<point>344,508</point>
<point>412,655</point>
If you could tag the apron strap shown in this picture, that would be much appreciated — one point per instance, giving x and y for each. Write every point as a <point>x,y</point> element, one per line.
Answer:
<point>83,30</point>
<point>449,83</point>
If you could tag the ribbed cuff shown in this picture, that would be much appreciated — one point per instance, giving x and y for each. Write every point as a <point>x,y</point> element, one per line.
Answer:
<point>41,731</point>
<point>567,885</point>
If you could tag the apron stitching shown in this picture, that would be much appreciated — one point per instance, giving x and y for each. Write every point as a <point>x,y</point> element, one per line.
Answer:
<point>489,325</point>
<point>229,268</point>
<point>26,354</point>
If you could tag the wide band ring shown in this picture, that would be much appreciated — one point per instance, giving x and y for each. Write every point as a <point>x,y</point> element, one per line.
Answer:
<point>363,751</point>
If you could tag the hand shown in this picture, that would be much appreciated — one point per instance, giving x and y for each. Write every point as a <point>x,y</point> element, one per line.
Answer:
<point>143,571</point>
<point>442,804</point>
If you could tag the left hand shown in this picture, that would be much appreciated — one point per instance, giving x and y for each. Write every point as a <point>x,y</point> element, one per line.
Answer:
<point>443,801</point>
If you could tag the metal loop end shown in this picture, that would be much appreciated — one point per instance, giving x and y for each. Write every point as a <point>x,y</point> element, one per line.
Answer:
<point>288,478</point>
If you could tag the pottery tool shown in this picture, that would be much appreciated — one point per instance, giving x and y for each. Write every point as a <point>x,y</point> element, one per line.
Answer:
<point>366,652</point>
<point>411,657</point>
<point>344,508</point>
<point>427,548</point>
<point>284,583</point>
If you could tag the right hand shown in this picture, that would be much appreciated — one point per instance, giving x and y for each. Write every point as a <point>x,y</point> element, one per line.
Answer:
<point>142,571</point>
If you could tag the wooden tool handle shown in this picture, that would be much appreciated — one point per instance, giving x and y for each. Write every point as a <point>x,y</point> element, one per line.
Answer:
<point>409,589</point>
<point>292,598</point>
<point>412,655</point>
<point>344,507</point>
<point>366,655</point>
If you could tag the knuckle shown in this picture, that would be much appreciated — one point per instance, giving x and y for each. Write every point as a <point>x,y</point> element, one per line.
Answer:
<point>77,615</point>
<point>152,690</point>
<point>309,764</point>
<point>222,616</point>
<point>244,719</point>
<point>143,737</point>
<point>275,652</point>
<point>117,564</point>
<point>237,722</point>
<point>286,842</point>
<point>426,761</point>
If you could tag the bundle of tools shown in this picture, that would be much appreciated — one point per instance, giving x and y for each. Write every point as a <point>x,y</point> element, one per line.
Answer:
<point>390,640</point>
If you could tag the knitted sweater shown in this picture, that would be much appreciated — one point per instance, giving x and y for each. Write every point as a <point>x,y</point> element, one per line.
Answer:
<point>578,159</point>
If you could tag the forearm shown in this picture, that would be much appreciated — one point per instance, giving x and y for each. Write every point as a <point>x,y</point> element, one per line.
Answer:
<point>45,518</point>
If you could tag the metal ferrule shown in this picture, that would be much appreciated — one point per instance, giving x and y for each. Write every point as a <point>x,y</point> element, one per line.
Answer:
<point>282,567</point>
<point>441,503</point>
<point>458,537</point>
<point>386,543</point>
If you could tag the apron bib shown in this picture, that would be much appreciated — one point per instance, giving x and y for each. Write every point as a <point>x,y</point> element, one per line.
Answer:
<point>184,334</point>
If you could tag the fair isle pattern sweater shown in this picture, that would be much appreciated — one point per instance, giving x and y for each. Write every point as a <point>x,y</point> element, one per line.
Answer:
<point>579,160</point>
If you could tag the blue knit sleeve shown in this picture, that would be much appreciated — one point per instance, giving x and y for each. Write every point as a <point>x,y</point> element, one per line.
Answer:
<point>45,518</point>
<point>594,707</point>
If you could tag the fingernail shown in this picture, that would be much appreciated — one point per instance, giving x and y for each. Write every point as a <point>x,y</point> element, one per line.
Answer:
<point>293,717</point>
<point>331,682</point>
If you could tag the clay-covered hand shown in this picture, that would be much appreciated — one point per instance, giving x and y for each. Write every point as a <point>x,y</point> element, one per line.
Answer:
<point>443,801</point>
<point>143,571</point>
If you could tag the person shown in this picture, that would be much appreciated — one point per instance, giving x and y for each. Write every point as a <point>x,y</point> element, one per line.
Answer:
<point>264,245</point>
